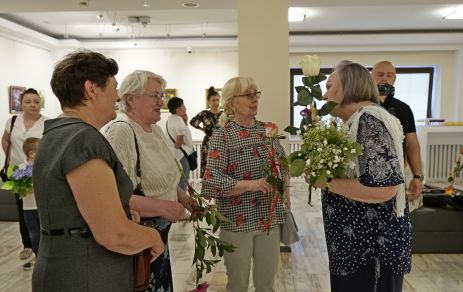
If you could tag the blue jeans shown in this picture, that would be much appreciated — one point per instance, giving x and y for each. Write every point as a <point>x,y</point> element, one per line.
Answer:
<point>31,217</point>
<point>186,172</point>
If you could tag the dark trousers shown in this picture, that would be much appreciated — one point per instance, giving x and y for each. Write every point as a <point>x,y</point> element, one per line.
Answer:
<point>31,217</point>
<point>364,280</point>
<point>22,225</point>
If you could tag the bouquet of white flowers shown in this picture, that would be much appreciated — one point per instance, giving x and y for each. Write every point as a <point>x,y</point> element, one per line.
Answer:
<point>327,150</point>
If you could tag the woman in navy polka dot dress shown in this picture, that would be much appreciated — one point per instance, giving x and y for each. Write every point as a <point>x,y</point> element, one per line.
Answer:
<point>366,217</point>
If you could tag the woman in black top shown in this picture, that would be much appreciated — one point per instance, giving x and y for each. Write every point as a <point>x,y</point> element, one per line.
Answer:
<point>209,119</point>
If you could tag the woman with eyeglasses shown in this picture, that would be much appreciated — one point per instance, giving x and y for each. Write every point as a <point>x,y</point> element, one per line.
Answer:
<point>234,177</point>
<point>141,147</point>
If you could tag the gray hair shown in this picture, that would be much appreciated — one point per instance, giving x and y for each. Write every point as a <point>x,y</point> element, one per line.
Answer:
<point>235,86</point>
<point>134,84</point>
<point>341,63</point>
<point>357,84</point>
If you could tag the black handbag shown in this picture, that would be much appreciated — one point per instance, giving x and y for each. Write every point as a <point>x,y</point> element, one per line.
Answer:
<point>3,171</point>
<point>192,158</point>
<point>141,260</point>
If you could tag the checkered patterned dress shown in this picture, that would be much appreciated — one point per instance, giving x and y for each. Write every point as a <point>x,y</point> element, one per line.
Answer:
<point>237,153</point>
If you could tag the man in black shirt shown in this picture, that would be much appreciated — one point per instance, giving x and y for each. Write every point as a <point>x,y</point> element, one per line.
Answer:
<point>385,73</point>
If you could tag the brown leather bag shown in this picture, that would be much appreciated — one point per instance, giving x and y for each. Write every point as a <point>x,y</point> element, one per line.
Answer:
<point>141,270</point>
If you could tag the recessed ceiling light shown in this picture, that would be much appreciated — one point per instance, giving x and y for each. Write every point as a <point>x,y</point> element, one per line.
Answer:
<point>146,5</point>
<point>296,17</point>
<point>455,15</point>
<point>190,4</point>
<point>84,3</point>
<point>297,14</point>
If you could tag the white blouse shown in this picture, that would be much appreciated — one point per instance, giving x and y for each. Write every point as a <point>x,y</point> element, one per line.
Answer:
<point>20,134</point>
<point>159,172</point>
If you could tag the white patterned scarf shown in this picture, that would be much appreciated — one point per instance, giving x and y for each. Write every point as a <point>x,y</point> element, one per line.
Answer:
<point>395,130</point>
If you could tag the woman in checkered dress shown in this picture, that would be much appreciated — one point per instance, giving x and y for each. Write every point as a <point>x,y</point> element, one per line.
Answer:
<point>234,177</point>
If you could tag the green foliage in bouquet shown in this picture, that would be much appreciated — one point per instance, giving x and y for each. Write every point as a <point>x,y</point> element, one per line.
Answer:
<point>204,237</point>
<point>327,150</point>
<point>19,180</point>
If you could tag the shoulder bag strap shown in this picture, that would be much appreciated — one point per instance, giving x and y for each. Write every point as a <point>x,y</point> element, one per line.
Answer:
<point>181,149</point>
<point>7,154</point>
<point>137,165</point>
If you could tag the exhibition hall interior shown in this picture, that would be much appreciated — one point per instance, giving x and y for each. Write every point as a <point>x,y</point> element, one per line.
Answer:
<point>197,44</point>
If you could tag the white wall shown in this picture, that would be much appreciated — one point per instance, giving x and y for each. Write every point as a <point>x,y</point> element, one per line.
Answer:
<point>31,66</point>
<point>23,65</point>
<point>191,74</point>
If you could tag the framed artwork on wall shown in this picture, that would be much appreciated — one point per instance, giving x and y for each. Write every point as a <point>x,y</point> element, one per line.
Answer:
<point>168,93</point>
<point>15,98</point>
<point>219,91</point>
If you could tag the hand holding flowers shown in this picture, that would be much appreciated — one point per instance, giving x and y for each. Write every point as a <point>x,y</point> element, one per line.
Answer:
<point>19,180</point>
<point>274,166</point>
<point>327,150</point>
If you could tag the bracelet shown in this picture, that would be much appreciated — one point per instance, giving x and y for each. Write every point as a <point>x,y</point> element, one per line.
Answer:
<point>420,177</point>
<point>328,184</point>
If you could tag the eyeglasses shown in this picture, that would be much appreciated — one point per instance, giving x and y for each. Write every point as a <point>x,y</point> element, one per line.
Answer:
<point>156,95</point>
<point>250,95</point>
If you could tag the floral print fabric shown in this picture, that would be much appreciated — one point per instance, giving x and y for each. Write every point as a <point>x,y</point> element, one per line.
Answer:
<point>357,232</point>
<point>237,153</point>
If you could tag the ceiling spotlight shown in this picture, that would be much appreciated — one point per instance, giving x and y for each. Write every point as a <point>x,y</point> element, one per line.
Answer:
<point>296,17</point>
<point>146,5</point>
<point>99,16</point>
<point>190,4</point>
<point>296,14</point>
<point>84,3</point>
<point>457,14</point>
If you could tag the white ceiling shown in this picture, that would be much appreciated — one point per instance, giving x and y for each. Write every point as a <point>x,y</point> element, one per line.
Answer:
<point>67,19</point>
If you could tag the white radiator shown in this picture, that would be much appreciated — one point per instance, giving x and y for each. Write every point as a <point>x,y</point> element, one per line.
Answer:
<point>439,147</point>
<point>440,160</point>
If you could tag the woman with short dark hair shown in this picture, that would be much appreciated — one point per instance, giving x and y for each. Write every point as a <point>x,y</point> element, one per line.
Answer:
<point>82,191</point>
<point>27,124</point>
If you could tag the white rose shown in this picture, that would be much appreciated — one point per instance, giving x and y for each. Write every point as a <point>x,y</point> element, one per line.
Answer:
<point>310,65</point>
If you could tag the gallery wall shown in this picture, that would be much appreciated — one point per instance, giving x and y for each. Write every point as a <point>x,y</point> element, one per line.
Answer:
<point>31,66</point>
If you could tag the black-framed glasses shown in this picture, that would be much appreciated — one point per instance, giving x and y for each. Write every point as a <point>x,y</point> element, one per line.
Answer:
<point>251,95</point>
<point>156,95</point>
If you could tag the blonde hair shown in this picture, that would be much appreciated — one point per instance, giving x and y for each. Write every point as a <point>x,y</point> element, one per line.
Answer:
<point>134,84</point>
<point>233,87</point>
<point>30,144</point>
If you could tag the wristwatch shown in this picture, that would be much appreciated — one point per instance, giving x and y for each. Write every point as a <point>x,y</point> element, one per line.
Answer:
<point>420,177</point>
